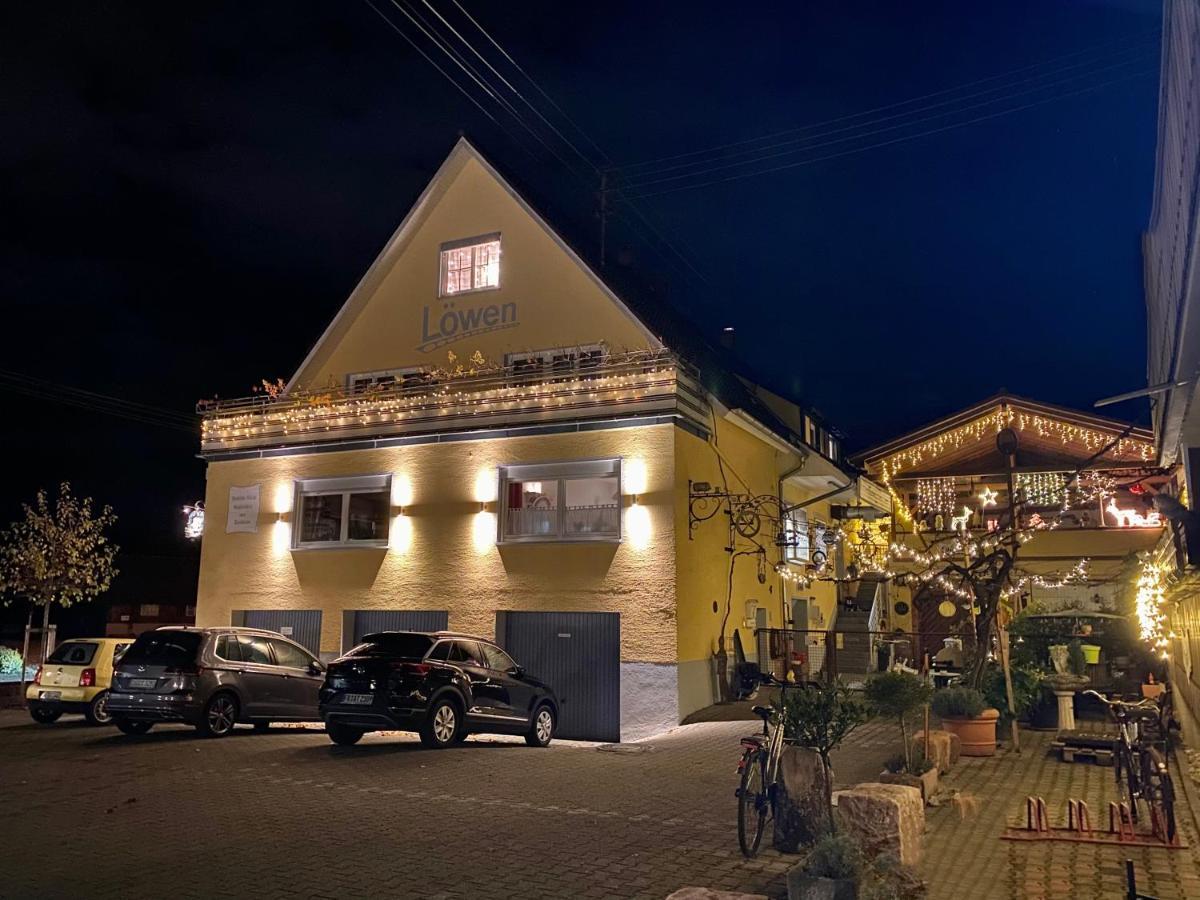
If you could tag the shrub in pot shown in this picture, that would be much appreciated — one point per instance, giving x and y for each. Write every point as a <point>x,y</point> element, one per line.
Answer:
<point>964,712</point>
<point>1027,689</point>
<point>831,871</point>
<point>898,695</point>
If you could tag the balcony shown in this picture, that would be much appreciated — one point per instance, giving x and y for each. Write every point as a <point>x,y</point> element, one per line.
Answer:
<point>618,386</point>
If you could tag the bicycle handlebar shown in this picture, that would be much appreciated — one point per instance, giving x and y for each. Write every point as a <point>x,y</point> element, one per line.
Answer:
<point>1122,704</point>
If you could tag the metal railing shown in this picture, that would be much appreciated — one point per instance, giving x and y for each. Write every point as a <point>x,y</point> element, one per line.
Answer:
<point>619,384</point>
<point>812,656</point>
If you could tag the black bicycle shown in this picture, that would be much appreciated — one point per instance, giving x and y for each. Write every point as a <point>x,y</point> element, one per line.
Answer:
<point>1141,762</point>
<point>759,773</point>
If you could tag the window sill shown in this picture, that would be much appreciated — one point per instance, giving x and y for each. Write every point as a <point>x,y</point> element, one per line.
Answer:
<point>357,545</point>
<point>478,290</point>
<point>599,539</point>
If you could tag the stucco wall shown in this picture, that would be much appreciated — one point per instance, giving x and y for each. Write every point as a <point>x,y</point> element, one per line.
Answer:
<point>443,553</point>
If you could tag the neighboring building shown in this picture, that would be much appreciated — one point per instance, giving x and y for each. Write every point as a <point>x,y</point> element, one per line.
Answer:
<point>1089,477</point>
<point>488,438</point>
<point>1172,277</point>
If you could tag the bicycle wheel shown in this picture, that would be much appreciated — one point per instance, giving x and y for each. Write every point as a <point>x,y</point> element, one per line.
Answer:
<point>1130,788</point>
<point>752,801</point>
<point>1166,804</point>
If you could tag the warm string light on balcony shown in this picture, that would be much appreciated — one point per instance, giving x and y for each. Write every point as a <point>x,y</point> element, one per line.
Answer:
<point>991,423</point>
<point>936,495</point>
<point>1043,488</point>
<point>467,396</point>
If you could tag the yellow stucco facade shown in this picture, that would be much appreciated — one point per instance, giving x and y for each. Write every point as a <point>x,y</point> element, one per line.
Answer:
<point>444,550</point>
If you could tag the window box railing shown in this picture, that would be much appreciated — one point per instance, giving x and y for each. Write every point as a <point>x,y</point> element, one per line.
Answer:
<point>620,385</point>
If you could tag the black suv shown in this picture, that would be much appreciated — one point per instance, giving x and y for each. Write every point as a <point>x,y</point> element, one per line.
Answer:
<point>439,684</point>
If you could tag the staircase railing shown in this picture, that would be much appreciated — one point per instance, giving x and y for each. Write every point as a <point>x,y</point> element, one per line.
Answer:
<point>873,628</point>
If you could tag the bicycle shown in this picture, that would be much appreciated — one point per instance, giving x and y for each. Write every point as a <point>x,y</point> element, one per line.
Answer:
<point>1145,766</point>
<point>759,771</point>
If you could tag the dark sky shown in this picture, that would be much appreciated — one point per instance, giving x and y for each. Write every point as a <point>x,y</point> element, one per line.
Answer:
<point>190,191</point>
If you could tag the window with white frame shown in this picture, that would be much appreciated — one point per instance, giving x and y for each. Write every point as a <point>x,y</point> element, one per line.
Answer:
<point>470,265</point>
<point>559,362</point>
<point>797,547</point>
<point>570,501</point>
<point>343,512</point>
<point>386,379</point>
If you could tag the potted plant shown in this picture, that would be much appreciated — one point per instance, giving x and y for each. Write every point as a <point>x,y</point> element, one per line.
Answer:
<point>965,712</point>
<point>897,695</point>
<point>815,720</point>
<point>1027,691</point>
<point>832,871</point>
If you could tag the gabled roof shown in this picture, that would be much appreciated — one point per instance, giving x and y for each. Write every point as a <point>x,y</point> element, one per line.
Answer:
<point>1050,436</point>
<point>662,324</point>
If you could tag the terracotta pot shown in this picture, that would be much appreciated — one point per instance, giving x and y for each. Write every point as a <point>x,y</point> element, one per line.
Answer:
<point>977,736</point>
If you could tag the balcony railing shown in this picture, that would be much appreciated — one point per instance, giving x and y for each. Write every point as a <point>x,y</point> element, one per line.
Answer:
<point>618,386</point>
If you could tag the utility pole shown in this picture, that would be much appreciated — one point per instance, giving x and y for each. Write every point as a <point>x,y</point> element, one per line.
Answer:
<point>603,217</point>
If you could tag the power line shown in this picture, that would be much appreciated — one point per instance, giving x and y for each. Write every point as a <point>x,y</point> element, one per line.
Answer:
<point>900,125</point>
<point>896,140</point>
<point>1148,36</point>
<point>104,404</point>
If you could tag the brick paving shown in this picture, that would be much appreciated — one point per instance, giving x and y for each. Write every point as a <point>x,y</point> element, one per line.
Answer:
<point>286,814</point>
<point>966,858</point>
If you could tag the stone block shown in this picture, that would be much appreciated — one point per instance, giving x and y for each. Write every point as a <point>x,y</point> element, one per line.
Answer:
<point>883,819</point>
<point>703,893</point>
<point>801,809</point>
<point>926,782</point>
<point>939,750</point>
<point>955,747</point>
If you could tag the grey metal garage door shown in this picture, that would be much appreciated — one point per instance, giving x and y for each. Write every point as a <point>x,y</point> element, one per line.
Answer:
<point>302,625</point>
<point>357,622</point>
<point>579,656</point>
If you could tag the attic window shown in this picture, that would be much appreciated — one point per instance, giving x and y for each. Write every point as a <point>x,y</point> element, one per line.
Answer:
<point>472,264</point>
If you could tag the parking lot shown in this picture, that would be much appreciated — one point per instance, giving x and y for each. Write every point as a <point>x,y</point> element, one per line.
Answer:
<point>283,814</point>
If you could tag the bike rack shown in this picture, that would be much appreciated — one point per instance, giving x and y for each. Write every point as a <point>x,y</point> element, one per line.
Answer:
<point>1079,828</point>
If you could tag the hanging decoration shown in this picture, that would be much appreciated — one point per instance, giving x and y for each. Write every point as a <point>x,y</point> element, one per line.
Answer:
<point>1043,488</point>
<point>1094,486</point>
<point>936,495</point>
<point>193,527</point>
<point>1151,595</point>
<point>987,497</point>
<point>1131,518</point>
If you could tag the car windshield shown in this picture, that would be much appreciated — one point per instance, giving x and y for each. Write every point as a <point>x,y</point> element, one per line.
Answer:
<point>401,644</point>
<point>163,648</point>
<point>73,653</point>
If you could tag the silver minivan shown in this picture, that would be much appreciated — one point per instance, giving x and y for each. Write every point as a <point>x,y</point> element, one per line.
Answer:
<point>214,678</point>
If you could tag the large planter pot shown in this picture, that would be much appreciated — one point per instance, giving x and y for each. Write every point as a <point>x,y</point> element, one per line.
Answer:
<point>1091,653</point>
<point>978,735</point>
<point>802,886</point>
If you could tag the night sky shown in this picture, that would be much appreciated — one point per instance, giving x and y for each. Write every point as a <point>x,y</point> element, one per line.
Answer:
<point>190,191</point>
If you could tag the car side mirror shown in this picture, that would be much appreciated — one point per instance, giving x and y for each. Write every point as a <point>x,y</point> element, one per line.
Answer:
<point>315,667</point>
<point>517,672</point>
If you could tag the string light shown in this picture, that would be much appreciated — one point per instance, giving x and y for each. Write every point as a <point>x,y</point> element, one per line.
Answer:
<point>1043,488</point>
<point>987,497</point>
<point>1149,601</point>
<point>936,495</point>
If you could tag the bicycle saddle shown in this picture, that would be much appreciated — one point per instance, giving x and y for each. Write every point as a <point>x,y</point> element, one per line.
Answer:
<point>763,712</point>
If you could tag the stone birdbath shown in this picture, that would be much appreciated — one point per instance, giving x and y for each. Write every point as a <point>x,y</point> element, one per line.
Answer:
<point>1064,686</point>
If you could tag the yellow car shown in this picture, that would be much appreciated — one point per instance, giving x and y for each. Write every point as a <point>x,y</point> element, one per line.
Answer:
<point>76,679</point>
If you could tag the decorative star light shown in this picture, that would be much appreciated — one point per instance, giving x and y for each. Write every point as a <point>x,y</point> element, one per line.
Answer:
<point>987,497</point>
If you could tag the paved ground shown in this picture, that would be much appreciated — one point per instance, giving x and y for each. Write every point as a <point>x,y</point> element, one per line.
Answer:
<point>287,814</point>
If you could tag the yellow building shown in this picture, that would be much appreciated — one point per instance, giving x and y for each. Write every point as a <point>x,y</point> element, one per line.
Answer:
<point>488,438</point>
<point>1083,487</point>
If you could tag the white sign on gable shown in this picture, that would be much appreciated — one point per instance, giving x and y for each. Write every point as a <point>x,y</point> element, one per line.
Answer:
<point>243,509</point>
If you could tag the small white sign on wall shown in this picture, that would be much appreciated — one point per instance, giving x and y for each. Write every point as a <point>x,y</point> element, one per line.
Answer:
<point>285,630</point>
<point>243,509</point>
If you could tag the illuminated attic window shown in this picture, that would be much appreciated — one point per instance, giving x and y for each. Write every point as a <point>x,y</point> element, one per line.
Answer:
<point>472,264</point>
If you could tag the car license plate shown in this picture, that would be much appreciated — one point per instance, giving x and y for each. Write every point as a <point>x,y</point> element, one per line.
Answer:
<point>358,698</point>
<point>49,695</point>
<point>143,682</point>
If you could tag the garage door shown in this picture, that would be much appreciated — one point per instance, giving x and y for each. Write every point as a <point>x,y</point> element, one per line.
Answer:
<point>579,656</point>
<point>302,625</point>
<point>357,622</point>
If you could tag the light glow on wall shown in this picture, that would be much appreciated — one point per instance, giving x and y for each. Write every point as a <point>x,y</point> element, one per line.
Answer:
<point>633,476</point>
<point>281,537</point>
<point>284,492</point>
<point>485,485</point>
<point>637,526</point>
<point>483,531</point>
<point>402,491</point>
<point>401,537</point>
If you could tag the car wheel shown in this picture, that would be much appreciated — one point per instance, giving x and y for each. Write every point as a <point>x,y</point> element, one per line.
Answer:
<point>343,735</point>
<point>220,715</point>
<point>441,725</point>
<point>44,715</point>
<point>97,712</point>
<point>541,730</point>
<point>132,726</point>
